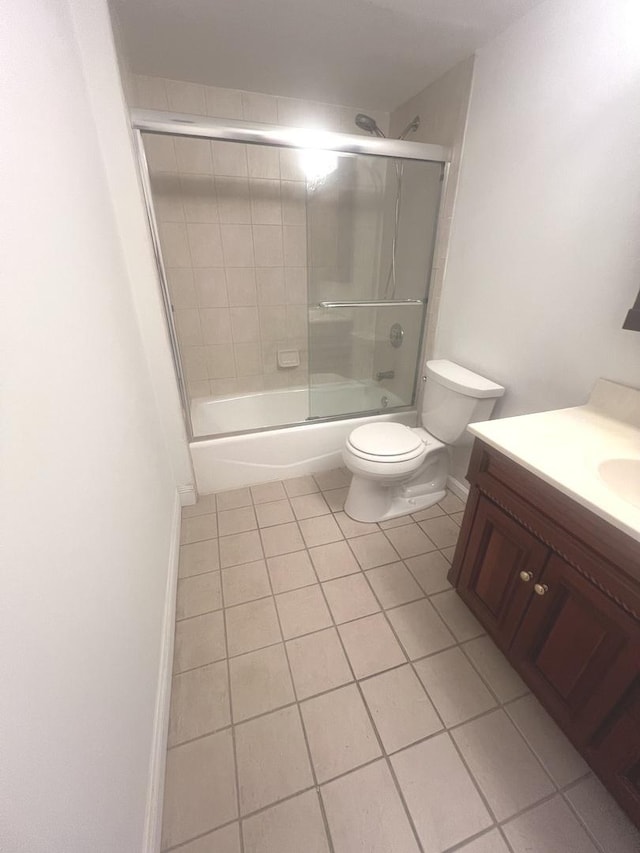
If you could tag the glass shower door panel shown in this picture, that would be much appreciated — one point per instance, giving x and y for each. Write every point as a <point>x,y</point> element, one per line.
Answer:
<point>370,236</point>
<point>355,367</point>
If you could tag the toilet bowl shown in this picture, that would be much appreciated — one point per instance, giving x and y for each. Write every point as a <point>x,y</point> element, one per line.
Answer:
<point>399,469</point>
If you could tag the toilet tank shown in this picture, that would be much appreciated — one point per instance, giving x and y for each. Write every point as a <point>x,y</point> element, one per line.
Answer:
<point>454,397</point>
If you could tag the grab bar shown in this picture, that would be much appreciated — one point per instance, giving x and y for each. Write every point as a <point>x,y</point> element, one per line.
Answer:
<point>378,303</point>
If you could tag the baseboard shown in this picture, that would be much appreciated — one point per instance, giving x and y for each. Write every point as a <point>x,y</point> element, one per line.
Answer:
<point>187,494</point>
<point>153,817</point>
<point>457,488</point>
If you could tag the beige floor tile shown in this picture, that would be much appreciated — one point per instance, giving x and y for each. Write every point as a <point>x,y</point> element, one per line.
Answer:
<point>350,598</point>
<point>551,827</point>
<point>391,523</point>
<point>333,560</point>
<point>603,817</point>
<point>233,499</point>
<point>454,686</point>
<point>199,640</point>
<point>430,512</point>
<point>200,791</point>
<point>409,540</point>
<point>272,759</point>
<point>451,503</point>
<point>204,505</point>
<point>275,512</point>
<point>300,486</point>
<point>245,583</point>
<point>309,506</point>
<point>266,492</point>
<point>240,548</point>
<point>290,571</point>
<point>448,553</point>
<point>557,755</point>
<point>302,611</point>
<point>236,520</point>
<point>457,616</point>
<point>420,629</point>
<point>373,550</point>
<point>365,813</point>
<point>495,669</point>
<point>281,539</point>
<point>225,840</point>
<point>252,626</point>
<point>336,478</point>
<point>198,528</point>
<point>198,558</point>
<point>394,584</point>
<point>442,799</point>
<point>199,702</point>
<point>339,732</point>
<point>506,770</point>
<point>490,842</point>
<point>198,594</point>
<point>400,708</point>
<point>371,645</point>
<point>457,517</point>
<point>295,826</point>
<point>260,682</point>
<point>352,528</point>
<point>430,570</point>
<point>317,663</point>
<point>441,530</point>
<point>320,530</point>
<point>336,498</point>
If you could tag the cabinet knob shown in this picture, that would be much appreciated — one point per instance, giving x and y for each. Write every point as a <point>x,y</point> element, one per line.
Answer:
<point>526,576</point>
<point>540,588</point>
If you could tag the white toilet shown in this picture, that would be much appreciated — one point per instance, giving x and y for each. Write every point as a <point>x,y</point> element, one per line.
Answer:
<point>399,469</point>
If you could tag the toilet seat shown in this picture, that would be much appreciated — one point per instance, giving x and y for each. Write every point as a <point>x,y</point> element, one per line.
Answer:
<point>385,442</point>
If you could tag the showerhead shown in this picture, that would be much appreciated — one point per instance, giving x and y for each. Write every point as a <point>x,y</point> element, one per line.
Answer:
<point>413,125</point>
<point>368,124</point>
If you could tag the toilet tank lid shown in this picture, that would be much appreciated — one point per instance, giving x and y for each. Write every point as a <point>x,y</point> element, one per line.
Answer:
<point>462,380</point>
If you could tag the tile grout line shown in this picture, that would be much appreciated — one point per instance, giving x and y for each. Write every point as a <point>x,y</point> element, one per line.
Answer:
<point>501,705</point>
<point>233,732</point>
<point>383,755</point>
<point>302,725</point>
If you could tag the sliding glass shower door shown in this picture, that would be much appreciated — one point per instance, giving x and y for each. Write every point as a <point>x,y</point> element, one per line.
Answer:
<point>371,225</point>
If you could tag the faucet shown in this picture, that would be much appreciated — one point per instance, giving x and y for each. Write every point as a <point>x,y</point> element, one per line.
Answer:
<point>385,374</point>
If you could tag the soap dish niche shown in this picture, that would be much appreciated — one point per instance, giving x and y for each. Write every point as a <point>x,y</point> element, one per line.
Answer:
<point>288,358</point>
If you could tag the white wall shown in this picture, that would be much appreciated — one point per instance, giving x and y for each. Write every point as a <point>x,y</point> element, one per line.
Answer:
<point>88,490</point>
<point>544,258</point>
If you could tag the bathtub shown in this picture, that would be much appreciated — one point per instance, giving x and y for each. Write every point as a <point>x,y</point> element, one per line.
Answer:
<point>232,461</point>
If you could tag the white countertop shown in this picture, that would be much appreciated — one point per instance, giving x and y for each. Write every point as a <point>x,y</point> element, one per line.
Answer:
<point>565,448</point>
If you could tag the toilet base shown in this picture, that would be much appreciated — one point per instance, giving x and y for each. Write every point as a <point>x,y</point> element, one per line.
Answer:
<point>376,500</point>
<point>367,501</point>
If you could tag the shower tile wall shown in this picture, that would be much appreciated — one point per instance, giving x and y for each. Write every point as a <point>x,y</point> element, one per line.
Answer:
<point>232,227</point>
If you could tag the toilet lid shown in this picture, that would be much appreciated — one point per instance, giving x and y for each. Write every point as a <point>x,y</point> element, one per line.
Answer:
<point>385,439</point>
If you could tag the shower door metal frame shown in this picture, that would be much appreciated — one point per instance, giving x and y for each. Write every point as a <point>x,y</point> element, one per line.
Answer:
<point>165,123</point>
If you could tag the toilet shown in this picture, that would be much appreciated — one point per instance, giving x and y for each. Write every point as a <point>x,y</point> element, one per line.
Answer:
<point>399,469</point>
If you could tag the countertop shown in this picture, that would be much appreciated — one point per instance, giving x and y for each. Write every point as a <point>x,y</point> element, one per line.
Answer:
<point>565,448</point>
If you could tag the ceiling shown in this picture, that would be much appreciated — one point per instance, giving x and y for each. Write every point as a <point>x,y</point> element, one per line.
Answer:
<point>366,53</point>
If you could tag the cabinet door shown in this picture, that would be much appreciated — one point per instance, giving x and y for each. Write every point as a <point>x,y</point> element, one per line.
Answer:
<point>502,561</point>
<point>615,752</point>
<point>577,649</point>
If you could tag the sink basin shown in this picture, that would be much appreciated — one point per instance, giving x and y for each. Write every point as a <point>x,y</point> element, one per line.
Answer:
<point>622,476</point>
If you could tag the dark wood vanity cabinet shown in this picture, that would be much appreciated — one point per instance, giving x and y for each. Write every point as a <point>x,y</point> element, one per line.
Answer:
<point>558,589</point>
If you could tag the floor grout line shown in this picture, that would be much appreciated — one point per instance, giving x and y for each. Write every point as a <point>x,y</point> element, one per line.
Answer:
<point>503,706</point>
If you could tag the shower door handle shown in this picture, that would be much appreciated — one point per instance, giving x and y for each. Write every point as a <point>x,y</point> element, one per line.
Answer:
<point>374,303</point>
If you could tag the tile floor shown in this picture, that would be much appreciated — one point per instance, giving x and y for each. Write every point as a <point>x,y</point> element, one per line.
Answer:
<point>332,693</point>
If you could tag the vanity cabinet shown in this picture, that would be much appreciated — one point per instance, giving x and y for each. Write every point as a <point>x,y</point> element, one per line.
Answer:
<point>558,589</point>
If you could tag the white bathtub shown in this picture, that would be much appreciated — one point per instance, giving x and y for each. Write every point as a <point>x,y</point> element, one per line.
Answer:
<point>233,461</point>
<point>216,415</point>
